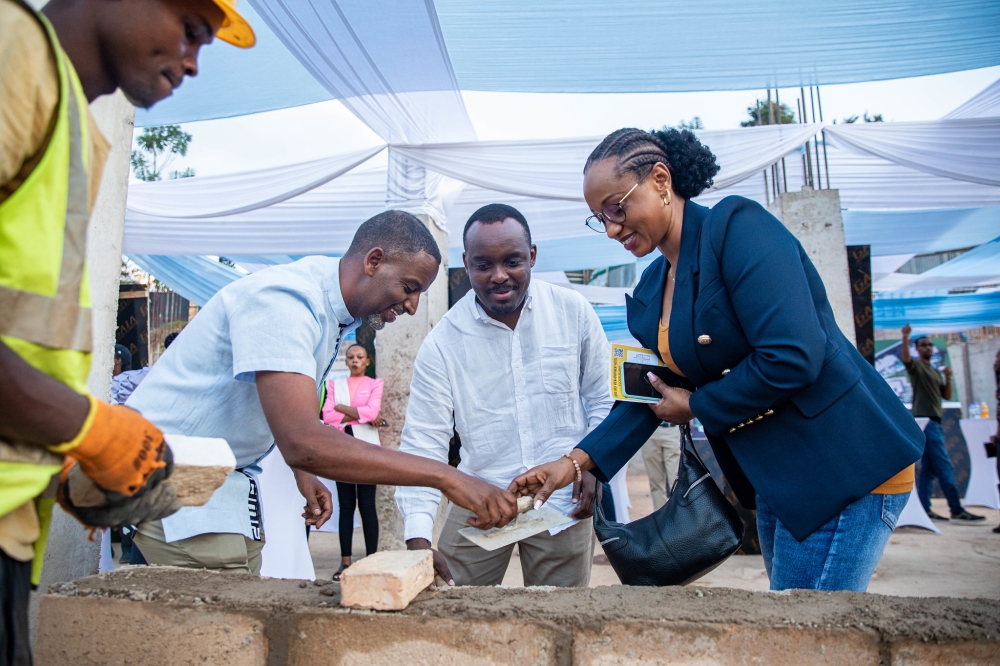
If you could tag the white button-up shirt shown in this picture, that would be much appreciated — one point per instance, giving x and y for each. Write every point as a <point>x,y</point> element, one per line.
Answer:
<point>518,398</point>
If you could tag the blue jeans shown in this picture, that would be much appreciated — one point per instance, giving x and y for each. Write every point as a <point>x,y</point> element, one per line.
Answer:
<point>936,463</point>
<point>840,555</point>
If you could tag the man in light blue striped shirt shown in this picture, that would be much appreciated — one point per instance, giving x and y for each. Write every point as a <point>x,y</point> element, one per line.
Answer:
<point>248,369</point>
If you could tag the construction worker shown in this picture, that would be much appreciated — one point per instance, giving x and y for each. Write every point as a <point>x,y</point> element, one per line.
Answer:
<point>54,437</point>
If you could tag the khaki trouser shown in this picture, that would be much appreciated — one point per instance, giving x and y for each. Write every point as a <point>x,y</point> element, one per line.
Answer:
<point>563,560</point>
<point>662,454</point>
<point>228,553</point>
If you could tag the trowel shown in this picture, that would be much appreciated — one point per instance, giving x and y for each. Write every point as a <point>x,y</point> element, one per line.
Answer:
<point>528,523</point>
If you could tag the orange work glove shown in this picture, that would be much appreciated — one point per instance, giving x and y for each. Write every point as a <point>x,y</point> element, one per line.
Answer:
<point>116,448</point>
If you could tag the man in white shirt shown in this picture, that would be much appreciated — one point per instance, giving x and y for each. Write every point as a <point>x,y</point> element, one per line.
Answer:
<point>520,370</point>
<point>248,369</point>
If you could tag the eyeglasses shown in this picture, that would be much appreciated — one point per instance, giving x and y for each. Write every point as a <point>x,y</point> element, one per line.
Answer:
<point>612,212</point>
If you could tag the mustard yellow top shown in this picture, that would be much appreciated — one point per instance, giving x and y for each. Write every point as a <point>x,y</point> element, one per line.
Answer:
<point>901,483</point>
<point>663,345</point>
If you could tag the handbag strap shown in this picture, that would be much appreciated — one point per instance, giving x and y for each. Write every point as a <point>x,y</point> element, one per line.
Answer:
<point>599,519</point>
<point>687,448</point>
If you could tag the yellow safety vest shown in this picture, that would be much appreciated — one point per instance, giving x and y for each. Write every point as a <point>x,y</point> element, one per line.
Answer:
<point>44,295</point>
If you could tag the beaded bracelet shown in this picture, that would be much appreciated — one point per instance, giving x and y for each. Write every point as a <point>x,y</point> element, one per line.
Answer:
<point>579,472</point>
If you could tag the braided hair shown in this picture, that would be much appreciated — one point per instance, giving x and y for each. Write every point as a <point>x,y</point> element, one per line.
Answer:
<point>692,165</point>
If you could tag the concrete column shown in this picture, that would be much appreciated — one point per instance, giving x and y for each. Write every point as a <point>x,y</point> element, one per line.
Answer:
<point>813,216</point>
<point>974,381</point>
<point>70,554</point>
<point>396,348</point>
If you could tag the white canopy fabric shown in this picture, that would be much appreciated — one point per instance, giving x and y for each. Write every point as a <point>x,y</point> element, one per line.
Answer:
<point>962,149</point>
<point>906,232</point>
<point>985,104</point>
<point>980,266</point>
<point>321,221</point>
<point>385,59</point>
<point>581,46</point>
<point>230,194</point>
<point>894,208</point>
<point>553,169</point>
<point>388,61</point>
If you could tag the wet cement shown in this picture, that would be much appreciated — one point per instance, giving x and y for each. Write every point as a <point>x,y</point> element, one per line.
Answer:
<point>926,619</point>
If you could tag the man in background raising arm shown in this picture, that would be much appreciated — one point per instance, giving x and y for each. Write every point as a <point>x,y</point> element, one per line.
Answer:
<point>928,389</point>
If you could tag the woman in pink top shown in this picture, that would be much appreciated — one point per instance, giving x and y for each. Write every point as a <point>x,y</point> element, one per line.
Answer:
<point>365,402</point>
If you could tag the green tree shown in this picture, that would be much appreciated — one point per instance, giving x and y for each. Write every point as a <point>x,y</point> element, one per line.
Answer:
<point>761,114</point>
<point>693,124</point>
<point>877,118</point>
<point>158,147</point>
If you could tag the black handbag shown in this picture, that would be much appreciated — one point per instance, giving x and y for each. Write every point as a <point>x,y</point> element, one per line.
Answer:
<point>694,532</point>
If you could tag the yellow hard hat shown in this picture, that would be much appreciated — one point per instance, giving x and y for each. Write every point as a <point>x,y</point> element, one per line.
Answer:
<point>235,29</point>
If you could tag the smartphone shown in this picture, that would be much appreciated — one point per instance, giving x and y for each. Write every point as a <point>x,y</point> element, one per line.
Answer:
<point>635,383</point>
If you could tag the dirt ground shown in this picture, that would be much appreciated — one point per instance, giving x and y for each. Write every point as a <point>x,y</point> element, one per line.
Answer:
<point>963,561</point>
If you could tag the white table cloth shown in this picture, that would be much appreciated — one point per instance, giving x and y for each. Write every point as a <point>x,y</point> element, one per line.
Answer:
<point>913,514</point>
<point>982,489</point>
<point>286,552</point>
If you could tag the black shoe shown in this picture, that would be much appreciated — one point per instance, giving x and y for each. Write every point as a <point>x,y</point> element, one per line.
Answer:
<point>967,518</point>
<point>935,516</point>
<point>996,529</point>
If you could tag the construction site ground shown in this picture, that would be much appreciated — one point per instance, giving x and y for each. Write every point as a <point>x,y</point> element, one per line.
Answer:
<point>963,561</point>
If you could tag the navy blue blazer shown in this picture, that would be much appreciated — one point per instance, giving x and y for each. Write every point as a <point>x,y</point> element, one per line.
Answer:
<point>792,411</point>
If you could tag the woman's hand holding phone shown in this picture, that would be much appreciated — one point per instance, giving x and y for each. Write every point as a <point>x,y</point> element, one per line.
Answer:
<point>674,406</point>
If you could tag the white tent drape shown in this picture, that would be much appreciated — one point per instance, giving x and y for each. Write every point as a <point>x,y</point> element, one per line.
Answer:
<point>387,62</point>
<point>385,59</point>
<point>230,194</point>
<point>980,266</point>
<point>985,104</point>
<point>962,149</point>
<point>877,195</point>
<point>321,221</point>
<point>553,169</point>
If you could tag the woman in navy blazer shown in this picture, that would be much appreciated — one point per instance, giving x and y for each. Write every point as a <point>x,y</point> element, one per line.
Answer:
<point>802,426</point>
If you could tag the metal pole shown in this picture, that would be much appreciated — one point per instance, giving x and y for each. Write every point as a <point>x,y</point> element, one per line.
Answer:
<point>805,171</point>
<point>967,371</point>
<point>770,110</point>
<point>767,188</point>
<point>819,175</point>
<point>808,152</point>
<point>826,162</point>
<point>784,176</point>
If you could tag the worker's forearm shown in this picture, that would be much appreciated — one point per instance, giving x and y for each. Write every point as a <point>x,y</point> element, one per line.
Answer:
<point>946,391</point>
<point>331,454</point>
<point>35,408</point>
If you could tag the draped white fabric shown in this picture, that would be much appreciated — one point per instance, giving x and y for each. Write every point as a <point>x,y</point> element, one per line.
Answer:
<point>553,169</point>
<point>218,196</point>
<point>963,149</point>
<point>985,104</point>
<point>385,59</point>
<point>894,232</point>
<point>980,266</point>
<point>877,195</point>
<point>584,46</point>
<point>321,221</point>
<point>387,62</point>
<point>869,183</point>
